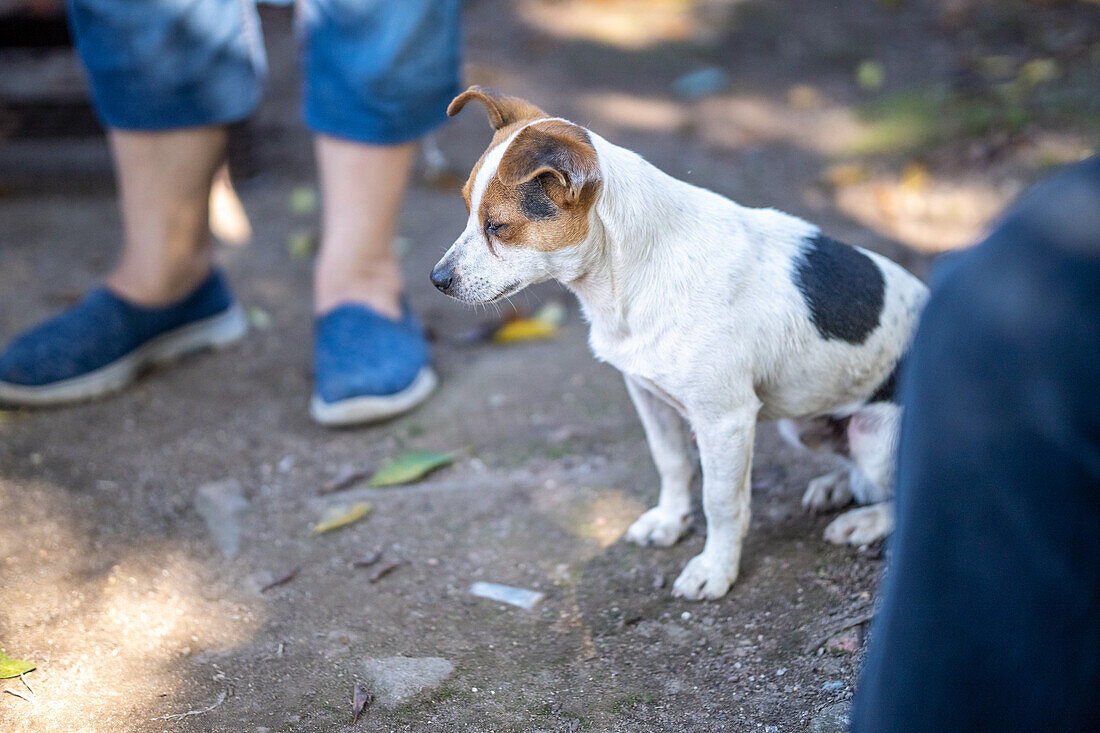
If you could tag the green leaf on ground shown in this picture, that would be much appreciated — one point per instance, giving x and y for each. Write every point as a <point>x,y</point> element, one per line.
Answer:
<point>870,75</point>
<point>258,318</point>
<point>301,244</point>
<point>302,200</point>
<point>13,667</point>
<point>410,467</point>
<point>342,515</point>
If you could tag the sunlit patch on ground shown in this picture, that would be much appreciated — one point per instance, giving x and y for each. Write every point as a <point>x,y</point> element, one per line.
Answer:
<point>632,112</point>
<point>597,514</point>
<point>931,215</point>
<point>628,24</point>
<point>95,615</point>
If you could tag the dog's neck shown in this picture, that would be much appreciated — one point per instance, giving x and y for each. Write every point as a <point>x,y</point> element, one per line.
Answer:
<point>639,227</point>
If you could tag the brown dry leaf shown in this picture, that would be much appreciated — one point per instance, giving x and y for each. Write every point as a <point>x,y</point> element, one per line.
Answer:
<point>359,700</point>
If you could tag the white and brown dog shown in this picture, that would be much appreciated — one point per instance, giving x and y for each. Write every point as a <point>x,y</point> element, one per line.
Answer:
<point>717,315</point>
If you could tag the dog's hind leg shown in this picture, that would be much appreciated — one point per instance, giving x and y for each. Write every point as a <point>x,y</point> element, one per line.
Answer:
<point>872,443</point>
<point>831,491</point>
<point>669,441</point>
<point>819,435</point>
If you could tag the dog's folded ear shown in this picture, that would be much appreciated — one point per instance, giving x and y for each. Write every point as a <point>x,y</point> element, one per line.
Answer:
<point>502,109</point>
<point>561,150</point>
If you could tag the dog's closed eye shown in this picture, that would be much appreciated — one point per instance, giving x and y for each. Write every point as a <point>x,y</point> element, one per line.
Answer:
<point>494,227</point>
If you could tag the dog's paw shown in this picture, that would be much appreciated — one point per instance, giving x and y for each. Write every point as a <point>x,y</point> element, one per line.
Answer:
<point>704,579</point>
<point>658,527</point>
<point>827,492</point>
<point>861,526</point>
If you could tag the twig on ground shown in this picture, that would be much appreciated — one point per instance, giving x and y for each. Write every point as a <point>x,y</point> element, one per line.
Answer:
<point>281,581</point>
<point>181,716</point>
<point>17,694</point>
<point>384,570</point>
<point>369,560</point>
<point>23,677</point>
<point>841,626</point>
<point>343,481</point>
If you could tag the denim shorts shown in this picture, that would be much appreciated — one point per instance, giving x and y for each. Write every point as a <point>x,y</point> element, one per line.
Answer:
<point>374,71</point>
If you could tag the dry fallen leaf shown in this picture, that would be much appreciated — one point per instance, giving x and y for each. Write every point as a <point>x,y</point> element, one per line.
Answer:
<point>339,516</point>
<point>544,324</point>
<point>411,466</point>
<point>524,329</point>
<point>359,700</point>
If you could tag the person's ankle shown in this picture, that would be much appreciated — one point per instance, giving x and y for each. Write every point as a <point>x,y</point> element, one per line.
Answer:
<point>156,287</point>
<point>380,291</point>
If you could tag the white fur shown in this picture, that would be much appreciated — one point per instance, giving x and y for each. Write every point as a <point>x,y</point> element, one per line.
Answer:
<point>691,296</point>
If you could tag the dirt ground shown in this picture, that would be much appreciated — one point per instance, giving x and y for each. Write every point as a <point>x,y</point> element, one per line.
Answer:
<point>893,125</point>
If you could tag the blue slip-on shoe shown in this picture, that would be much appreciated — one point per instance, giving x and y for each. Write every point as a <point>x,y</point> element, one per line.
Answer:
<point>102,343</point>
<point>368,367</point>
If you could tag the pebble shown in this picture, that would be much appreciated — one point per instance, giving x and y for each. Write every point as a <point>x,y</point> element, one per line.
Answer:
<point>396,679</point>
<point>847,641</point>
<point>220,504</point>
<point>833,719</point>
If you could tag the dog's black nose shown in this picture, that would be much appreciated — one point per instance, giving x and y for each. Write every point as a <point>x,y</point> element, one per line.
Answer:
<point>442,277</point>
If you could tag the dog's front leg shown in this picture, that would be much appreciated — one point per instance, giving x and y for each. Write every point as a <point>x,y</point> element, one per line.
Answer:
<point>725,447</point>
<point>669,441</point>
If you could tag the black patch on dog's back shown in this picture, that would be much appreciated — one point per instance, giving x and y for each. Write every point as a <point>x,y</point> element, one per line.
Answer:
<point>534,202</point>
<point>843,288</point>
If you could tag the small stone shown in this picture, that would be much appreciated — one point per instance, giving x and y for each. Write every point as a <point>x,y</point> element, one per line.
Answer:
<point>833,686</point>
<point>685,616</point>
<point>220,505</point>
<point>833,719</point>
<point>396,679</point>
<point>847,641</point>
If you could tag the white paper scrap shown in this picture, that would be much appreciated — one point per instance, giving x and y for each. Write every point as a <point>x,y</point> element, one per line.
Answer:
<point>507,594</point>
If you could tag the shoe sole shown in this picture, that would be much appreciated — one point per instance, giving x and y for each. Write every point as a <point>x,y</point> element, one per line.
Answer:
<point>362,410</point>
<point>210,333</point>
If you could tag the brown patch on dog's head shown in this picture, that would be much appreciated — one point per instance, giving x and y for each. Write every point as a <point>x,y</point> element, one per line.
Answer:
<point>546,181</point>
<point>544,187</point>
<point>506,115</point>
